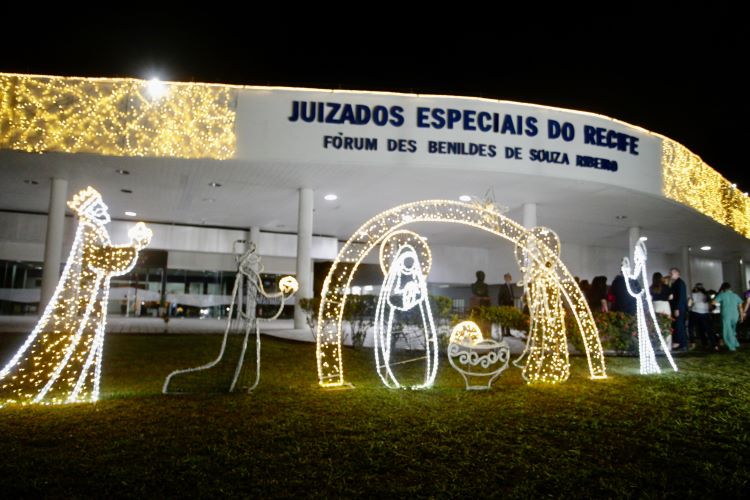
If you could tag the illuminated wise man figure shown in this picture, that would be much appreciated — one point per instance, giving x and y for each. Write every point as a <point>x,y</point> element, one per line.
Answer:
<point>638,278</point>
<point>60,362</point>
<point>547,345</point>
<point>404,288</point>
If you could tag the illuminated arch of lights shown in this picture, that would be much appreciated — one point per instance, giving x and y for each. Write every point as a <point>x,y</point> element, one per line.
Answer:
<point>485,216</point>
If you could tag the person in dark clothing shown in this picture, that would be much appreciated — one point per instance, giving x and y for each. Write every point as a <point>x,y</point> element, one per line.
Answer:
<point>596,295</point>
<point>624,302</point>
<point>679,305</point>
<point>506,297</point>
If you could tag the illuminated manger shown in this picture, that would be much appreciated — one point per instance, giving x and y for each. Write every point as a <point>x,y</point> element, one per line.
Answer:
<point>475,357</point>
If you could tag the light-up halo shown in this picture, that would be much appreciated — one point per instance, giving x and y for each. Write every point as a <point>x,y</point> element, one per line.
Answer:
<point>395,241</point>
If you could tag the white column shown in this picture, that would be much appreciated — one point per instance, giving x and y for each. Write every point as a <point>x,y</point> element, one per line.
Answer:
<point>54,241</point>
<point>304,258</point>
<point>685,271</point>
<point>634,233</point>
<point>529,215</point>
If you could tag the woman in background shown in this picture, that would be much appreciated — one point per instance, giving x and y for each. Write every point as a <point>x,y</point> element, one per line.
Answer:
<point>597,294</point>
<point>700,318</point>
<point>660,295</point>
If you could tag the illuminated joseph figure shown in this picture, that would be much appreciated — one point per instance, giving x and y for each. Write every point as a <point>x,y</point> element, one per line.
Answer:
<point>60,361</point>
<point>405,260</point>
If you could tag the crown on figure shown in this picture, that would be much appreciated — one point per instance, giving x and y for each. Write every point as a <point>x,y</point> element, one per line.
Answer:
<point>84,199</point>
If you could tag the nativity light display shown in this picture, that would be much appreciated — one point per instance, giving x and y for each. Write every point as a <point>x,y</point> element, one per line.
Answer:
<point>476,358</point>
<point>60,361</point>
<point>247,285</point>
<point>636,281</point>
<point>404,289</point>
<point>543,263</point>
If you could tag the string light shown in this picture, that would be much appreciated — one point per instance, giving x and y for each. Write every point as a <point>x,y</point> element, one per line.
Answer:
<point>60,361</point>
<point>643,303</point>
<point>482,215</point>
<point>546,345</point>
<point>476,358</point>
<point>247,282</point>
<point>690,181</point>
<point>404,288</point>
<point>116,117</point>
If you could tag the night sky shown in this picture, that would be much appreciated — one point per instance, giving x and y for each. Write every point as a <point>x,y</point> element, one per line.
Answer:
<point>679,76</point>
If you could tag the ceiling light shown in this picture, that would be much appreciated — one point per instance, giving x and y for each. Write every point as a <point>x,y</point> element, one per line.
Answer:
<point>130,214</point>
<point>214,184</point>
<point>32,182</point>
<point>122,172</point>
<point>464,197</point>
<point>128,191</point>
<point>330,197</point>
<point>621,217</point>
<point>705,248</point>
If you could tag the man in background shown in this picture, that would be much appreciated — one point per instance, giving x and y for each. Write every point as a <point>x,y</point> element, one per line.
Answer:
<point>506,297</point>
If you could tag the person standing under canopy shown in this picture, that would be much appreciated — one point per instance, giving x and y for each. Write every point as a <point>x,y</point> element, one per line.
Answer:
<point>731,312</point>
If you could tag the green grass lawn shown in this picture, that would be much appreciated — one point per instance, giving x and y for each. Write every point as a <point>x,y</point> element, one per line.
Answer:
<point>684,434</point>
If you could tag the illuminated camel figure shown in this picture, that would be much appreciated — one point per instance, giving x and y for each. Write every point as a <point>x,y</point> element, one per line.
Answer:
<point>484,216</point>
<point>546,345</point>
<point>248,283</point>
<point>60,361</point>
<point>643,304</point>
<point>404,288</point>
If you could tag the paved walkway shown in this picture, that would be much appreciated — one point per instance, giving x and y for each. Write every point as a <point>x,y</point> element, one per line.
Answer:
<point>282,328</point>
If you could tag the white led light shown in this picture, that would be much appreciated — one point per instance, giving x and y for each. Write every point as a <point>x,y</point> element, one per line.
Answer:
<point>404,288</point>
<point>465,198</point>
<point>60,361</point>
<point>330,197</point>
<point>705,248</point>
<point>131,214</point>
<point>639,277</point>
<point>156,88</point>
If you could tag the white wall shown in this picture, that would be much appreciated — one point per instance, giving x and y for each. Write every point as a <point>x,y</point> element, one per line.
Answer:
<point>706,271</point>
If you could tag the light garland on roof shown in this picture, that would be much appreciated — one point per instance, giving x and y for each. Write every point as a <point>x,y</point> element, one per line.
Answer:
<point>485,216</point>
<point>690,181</point>
<point>60,361</point>
<point>116,117</point>
<point>639,277</point>
<point>404,288</point>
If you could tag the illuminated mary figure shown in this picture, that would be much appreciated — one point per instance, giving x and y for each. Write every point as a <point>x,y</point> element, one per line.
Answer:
<point>60,362</point>
<point>404,290</point>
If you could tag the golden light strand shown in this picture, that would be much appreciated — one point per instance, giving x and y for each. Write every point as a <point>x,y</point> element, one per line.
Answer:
<point>60,361</point>
<point>690,181</point>
<point>116,117</point>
